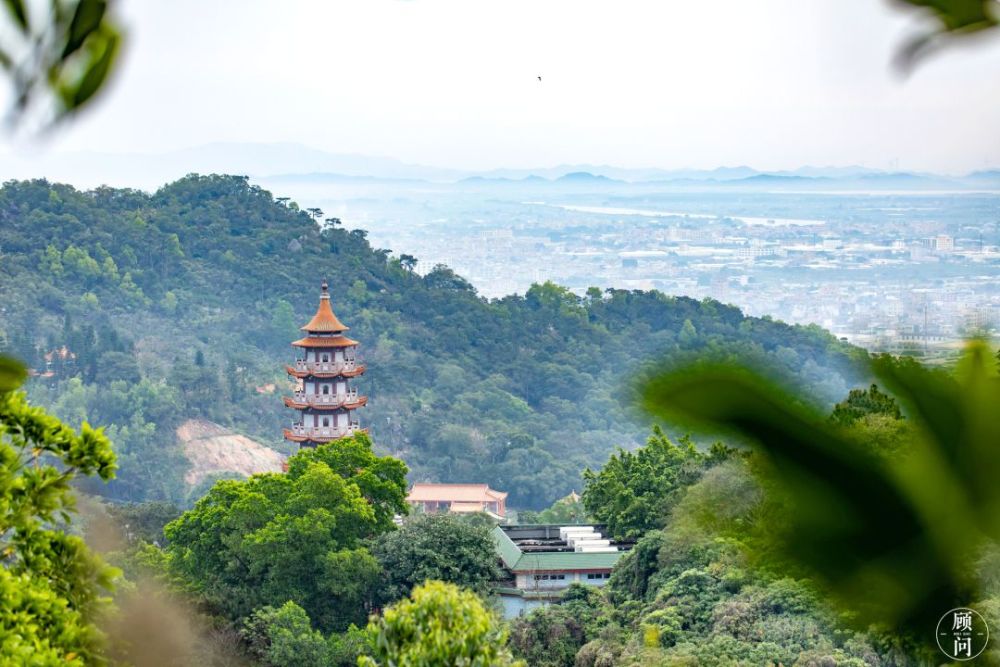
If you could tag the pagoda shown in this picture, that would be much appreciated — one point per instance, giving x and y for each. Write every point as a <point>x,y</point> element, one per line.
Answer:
<point>322,397</point>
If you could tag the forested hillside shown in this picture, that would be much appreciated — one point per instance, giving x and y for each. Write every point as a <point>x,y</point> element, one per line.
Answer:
<point>140,311</point>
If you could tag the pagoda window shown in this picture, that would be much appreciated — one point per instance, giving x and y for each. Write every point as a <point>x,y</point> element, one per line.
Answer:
<point>326,358</point>
<point>326,389</point>
<point>326,421</point>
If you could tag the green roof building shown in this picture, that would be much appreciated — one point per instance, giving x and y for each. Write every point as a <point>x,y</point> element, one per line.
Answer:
<point>543,560</point>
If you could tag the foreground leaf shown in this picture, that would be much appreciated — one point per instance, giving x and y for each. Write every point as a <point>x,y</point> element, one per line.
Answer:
<point>892,540</point>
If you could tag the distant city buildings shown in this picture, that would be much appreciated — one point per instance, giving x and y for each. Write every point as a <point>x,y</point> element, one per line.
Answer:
<point>943,243</point>
<point>882,269</point>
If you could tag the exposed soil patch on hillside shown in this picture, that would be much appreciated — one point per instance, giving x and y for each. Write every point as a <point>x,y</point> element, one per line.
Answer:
<point>213,449</point>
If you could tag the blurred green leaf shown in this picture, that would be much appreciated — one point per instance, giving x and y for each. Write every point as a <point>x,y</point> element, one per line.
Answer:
<point>960,15</point>
<point>12,374</point>
<point>103,53</point>
<point>961,415</point>
<point>893,540</point>
<point>17,10</point>
<point>64,55</point>
<point>86,20</point>
<point>956,18</point>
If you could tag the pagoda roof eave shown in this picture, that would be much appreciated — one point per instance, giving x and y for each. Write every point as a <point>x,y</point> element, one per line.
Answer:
<point>335,341</point>
<point>360,402</point>
<point>356,371</point>
<point>307,438</point>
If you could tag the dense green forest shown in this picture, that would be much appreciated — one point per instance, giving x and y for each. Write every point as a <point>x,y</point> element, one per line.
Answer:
<point>713,578</point>
<point>281,570</point>
<point>707,582</point>
<point>140,311</point>
<point>180,303</point>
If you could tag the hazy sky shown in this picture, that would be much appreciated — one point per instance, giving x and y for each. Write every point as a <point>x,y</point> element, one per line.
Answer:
<point>667,83</point>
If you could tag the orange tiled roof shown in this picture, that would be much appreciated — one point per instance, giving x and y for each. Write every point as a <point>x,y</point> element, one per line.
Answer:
<point>324,321</point>
<point>61,353</point>
<point>332,341</point>
<point>462,493</point>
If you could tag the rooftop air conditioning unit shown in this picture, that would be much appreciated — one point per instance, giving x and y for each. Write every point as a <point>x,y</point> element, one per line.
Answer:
<point>576,537</point>
<point>567,530</point>
<point>596,542</point>
<point>581,535</point>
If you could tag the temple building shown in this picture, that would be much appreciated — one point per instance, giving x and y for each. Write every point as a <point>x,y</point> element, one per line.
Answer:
<point>458,499</point>
<point>323,397</point>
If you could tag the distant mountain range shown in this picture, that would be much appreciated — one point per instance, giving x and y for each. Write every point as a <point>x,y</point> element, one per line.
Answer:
<point>286,163</point>
<point>845,178</point>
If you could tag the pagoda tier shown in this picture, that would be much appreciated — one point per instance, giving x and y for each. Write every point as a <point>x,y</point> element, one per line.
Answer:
<point>302,370</point>
<point>323,398</point>
<point>348,401</point>
<point>309,436</point>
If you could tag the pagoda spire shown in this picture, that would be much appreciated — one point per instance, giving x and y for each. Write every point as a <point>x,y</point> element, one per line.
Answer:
<point>324,321</point>
<point>323,397</point>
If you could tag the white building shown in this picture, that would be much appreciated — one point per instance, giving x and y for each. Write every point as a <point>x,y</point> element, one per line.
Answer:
<point>543,560</point>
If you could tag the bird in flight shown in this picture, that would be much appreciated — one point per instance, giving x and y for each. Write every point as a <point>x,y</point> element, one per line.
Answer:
<point>539,78</point>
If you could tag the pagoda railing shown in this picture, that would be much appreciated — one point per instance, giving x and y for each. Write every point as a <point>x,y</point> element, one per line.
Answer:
<point>349,396</point>
<point>322,432</point>
<point>325,366</point>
